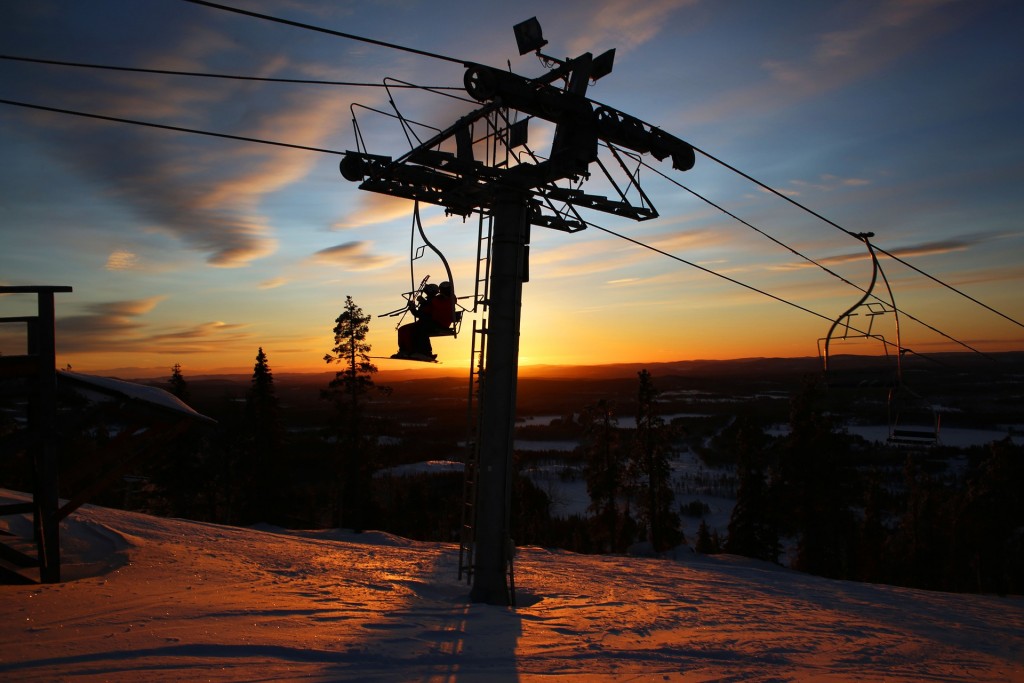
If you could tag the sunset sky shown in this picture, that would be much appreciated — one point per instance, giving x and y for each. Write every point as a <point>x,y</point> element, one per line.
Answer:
<point>903,118</point>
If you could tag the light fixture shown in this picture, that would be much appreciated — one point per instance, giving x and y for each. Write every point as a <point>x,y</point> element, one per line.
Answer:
<point>602,65</point>
<point>529,36</point>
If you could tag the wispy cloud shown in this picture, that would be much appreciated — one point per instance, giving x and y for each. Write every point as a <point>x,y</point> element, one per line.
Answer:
<point>206,193</point>
<point>868,42</point>
<point>938,247</point>
<point>876,27</point>
<point>935,248</point>
<point>627,24</point>
<point>128,308</point>
<point>375,208</point>
<point>689,240</point>
<point>605,255</point>
<point>353,256</point>
<point>122,259</point>
<point>273,283</point>
<point>825,183</point>
<point>120,326</point>
<point>988,275</point>
<point>883,33</point>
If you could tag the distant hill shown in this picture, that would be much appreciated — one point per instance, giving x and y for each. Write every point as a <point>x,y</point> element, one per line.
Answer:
<point>1006,362</point>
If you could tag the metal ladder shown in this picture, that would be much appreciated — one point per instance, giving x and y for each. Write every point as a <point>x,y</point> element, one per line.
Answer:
<point>477,369</point>
<point>467,535</point>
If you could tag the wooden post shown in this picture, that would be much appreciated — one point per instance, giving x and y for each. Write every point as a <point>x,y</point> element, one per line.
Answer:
<point>44,450</point>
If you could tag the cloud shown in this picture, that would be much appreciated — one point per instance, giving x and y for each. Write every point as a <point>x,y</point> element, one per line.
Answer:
<point>875,28</point>
<point>116,326</point>
<point>125,309</point>
<point>690,240</point>
<point>934,248</point>
<point>869,41</point>
<point>353,256</point>
<point>825,183</point>
<point>988,274</point>
<point>627,24</point>
<point>213,206</point>
<point>876,38</point>
<point>603,253</point>
<point>937,247</point>
<point>373,208</point>
<point>273,283</point>
<point>198,43</point>
<point>206,193</point>
<point>122,259</point>
<point>194,338</point>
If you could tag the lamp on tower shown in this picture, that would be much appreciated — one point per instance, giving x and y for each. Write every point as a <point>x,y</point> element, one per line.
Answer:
<point>529,36</point>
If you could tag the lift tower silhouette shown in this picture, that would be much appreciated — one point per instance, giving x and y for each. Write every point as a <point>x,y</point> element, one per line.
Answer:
<point>516,196</point>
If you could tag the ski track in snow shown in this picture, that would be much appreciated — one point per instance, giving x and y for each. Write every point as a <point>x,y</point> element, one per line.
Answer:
<point>170,600</point>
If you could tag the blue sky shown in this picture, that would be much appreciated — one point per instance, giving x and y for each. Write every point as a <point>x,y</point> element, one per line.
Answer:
<point>901,118</point>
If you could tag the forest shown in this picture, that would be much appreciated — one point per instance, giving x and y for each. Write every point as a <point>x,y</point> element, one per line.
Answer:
<point>340,449</point>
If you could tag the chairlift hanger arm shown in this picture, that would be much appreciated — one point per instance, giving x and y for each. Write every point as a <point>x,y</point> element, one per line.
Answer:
<point>426,240</point>
<point>845,315</point>
<point>864,237</point>
<point>876,271</point>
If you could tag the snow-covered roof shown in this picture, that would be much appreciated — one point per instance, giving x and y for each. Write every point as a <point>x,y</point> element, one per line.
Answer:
<point>150,396</point>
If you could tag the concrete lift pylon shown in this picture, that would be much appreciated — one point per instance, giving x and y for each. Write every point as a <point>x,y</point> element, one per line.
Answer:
<point>516,197</point>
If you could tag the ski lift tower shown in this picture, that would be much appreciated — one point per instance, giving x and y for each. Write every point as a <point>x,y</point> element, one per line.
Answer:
<point>532,191</point>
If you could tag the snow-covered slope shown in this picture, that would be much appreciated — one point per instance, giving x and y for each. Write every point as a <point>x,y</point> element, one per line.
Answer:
<point>170,600</point>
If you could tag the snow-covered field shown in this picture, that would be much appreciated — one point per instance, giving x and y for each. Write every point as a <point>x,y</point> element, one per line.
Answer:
<point>168,600</point>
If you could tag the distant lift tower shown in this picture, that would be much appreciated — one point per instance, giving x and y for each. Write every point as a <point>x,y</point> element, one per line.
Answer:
<point>528,190</point>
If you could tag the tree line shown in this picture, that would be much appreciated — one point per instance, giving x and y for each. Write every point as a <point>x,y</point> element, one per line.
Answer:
<point>816,498</point>
<point>850,510</point>
<point>254,470</point>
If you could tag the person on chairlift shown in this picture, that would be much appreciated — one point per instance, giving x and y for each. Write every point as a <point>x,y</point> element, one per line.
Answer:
<point>443,308</point>
<point>433,313</point>
<point>414,338</point>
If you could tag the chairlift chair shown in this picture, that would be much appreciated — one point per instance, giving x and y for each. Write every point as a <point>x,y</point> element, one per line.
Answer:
<point>912,420</point>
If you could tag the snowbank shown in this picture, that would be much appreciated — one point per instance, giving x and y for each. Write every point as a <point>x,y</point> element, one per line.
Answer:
<point>194,601</point>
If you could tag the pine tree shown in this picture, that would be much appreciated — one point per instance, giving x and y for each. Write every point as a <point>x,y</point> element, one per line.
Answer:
<point>261,400</point>
<point>651,462</point>
<point>176,480</point>
<point>177,384</point>
<point>350,390</point>
<point>812,490</point>
<point>989,523</point>
<point>265,474</point>
<point>605,474</point>
<point>920,545</point>
<point>752,527</point>
<point>716,542</point>
<point>706,542</point>
<point>872,560</point>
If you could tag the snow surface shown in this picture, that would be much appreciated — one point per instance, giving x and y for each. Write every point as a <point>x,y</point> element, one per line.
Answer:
<point>169,600</point>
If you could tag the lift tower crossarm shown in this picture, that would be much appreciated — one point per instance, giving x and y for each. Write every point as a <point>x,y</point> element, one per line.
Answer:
<point>453,180</point>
